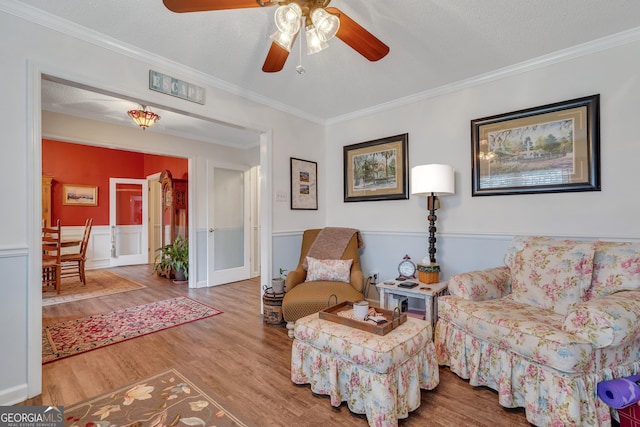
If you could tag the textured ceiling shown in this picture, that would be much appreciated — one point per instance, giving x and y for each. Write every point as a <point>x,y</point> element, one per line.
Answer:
<point>433,43</point>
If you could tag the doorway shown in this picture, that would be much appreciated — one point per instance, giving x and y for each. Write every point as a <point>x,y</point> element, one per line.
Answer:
<point>230,236</point>
<point>128,221</point>
<point>36,117</point>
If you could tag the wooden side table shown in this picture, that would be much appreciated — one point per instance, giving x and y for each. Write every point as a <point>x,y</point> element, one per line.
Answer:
<point>427,292</point>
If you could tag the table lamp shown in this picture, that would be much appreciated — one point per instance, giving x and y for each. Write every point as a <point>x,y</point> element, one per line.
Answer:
<point>432,180</point>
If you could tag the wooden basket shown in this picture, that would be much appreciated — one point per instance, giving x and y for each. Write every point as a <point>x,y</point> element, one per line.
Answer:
<point>428,273</point>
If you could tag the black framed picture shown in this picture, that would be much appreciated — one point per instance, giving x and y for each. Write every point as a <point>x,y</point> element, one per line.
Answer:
<point>546,149</point>
<point>304,184</point>
<point>377,170</point>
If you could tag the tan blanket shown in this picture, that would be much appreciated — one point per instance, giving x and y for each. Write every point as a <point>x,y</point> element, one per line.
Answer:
<point>331,243</point>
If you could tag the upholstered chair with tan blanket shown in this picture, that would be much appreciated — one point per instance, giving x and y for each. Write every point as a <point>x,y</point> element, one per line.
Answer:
<point>333,268</point>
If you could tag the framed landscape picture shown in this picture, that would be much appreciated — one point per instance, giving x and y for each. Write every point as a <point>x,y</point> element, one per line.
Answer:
<point>552,148</point>
<point>79,195</point>
<point>304,184</point>
<point>377,170</point>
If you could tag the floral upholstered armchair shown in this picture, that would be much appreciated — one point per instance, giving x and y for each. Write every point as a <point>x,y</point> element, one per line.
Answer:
<point>544,329</point>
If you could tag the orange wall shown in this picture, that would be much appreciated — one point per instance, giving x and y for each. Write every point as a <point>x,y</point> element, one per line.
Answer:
<point>179,167</point>
<point>70,163</point>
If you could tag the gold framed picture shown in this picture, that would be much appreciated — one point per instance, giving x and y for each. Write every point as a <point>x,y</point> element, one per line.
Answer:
<point>547,149</point>
<point>377,170</point>
<point>79,195</point>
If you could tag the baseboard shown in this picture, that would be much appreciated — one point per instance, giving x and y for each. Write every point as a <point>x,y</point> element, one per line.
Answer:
<point>13,395</point>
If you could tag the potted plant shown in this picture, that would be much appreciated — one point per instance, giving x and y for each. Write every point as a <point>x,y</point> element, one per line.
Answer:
<point>172,260</point>
<point>277,283</point>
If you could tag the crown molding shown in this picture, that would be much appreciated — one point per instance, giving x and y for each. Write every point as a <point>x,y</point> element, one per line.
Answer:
<point>63,26</point>
<point>74,30</point>
<point>584,49</point>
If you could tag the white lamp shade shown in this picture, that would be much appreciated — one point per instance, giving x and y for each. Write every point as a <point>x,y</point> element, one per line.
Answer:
<point>436,179</point>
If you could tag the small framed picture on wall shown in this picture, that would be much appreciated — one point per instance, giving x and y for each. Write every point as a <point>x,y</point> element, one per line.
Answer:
<point>304,184</point>
<point>79,195</point>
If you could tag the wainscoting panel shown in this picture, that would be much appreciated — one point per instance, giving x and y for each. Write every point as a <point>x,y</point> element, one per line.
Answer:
<point>14,290</point>
<point>202,234</point>
<point>286,252</point>
<point>99,248</point>
<point>383,251</point>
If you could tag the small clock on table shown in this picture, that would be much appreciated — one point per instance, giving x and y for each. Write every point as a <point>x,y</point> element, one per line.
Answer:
<point>406,269</point>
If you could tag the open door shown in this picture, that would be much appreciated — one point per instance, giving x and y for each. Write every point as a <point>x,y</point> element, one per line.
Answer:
<point>128,221</point>
<point>229,231</point>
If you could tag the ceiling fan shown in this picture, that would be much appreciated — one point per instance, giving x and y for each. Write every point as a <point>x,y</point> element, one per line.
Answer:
<point>321,23</point>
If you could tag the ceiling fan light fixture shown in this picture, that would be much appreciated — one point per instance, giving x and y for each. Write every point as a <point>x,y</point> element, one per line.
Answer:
<point>143,117</point>
<point>288,17</point>
<point>314,43</point>
<point>326,24</point>
<point>284,40</point>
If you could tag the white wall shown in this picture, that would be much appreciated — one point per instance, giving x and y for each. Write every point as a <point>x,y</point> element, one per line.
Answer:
<point>29,50</point>
<point>472,231</point>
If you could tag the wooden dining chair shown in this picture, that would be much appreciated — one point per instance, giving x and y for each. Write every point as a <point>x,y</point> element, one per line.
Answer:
<point>51,264</point>
<point>73,264</point>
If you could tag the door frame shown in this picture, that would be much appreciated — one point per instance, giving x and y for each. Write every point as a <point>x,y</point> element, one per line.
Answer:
<point>136,259</point>
<point>36,72</point>
<point>221,277</point>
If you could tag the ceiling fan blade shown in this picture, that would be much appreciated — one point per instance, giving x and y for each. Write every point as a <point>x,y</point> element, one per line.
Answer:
<point>276,58</point>
<point>180,6</point>
<point>361,40</point>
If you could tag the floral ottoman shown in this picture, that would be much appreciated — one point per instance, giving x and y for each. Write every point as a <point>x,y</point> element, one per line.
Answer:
<point>380,376</point>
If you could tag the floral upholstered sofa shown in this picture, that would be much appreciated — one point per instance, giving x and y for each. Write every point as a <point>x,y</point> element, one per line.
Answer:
<point>544,329</point>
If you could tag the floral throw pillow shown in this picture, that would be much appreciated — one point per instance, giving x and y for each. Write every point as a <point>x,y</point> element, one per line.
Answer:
<point>616,267</point>
<point>520,242</point>
<point>331,270</point>
<point>552,276</point>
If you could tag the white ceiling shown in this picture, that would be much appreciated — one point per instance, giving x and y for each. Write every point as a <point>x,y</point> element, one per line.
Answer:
<point>433,43</point>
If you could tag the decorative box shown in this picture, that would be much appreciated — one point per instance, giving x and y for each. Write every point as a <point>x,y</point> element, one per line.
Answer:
<point>428,273</point>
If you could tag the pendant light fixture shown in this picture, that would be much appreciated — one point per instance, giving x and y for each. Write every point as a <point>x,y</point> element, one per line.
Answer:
<point>143,117</point>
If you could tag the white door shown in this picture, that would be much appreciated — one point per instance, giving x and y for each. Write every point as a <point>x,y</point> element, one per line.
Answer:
<point>229,231</point>
<point>128,221</point>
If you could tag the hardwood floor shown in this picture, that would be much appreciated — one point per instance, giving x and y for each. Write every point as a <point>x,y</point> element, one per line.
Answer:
<point>237,358</point>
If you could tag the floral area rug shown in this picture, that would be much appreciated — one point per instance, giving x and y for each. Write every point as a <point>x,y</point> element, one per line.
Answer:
<point>77,336</point>
<point>99,283</point>
<point>166,399</point>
